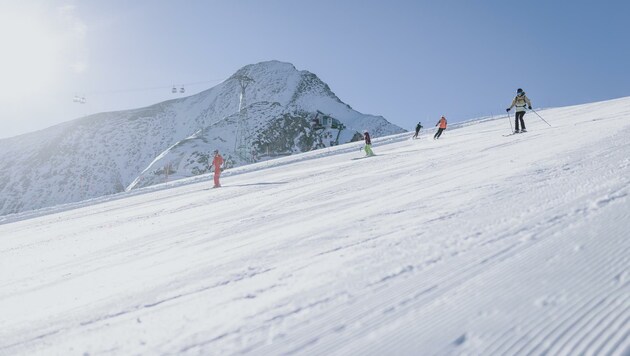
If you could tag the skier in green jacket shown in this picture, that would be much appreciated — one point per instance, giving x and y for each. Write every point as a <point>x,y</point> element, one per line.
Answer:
<point>368,144</point>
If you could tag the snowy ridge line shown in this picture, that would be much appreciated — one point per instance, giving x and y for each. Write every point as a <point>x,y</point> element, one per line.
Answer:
<point>330,151</point>
<point>159,157</point>
<point>283,161</point>
<point>540,110</point>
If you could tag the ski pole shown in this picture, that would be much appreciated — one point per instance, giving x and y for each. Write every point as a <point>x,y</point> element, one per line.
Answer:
<point>510,121</point>
<point>541,118</point>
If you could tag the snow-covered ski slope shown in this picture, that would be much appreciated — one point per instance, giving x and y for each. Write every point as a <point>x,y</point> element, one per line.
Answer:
<point>474,244</point>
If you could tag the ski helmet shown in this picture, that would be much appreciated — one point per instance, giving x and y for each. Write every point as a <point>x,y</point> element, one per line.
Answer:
<point>519,90</point>
<point>216,152</point>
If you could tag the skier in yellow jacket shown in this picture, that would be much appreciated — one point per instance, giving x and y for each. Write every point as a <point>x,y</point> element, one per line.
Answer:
<point>520,101</point>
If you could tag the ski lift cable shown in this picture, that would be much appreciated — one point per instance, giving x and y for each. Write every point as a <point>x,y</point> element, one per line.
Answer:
<point>151,88</point>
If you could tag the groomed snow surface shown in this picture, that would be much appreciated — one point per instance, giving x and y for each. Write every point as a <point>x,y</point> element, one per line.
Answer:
<point>474,244</point>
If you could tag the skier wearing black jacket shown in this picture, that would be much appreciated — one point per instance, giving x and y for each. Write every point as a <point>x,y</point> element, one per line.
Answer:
<point>418,127</point>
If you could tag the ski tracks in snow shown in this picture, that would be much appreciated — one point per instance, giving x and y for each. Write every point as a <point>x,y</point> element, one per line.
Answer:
<point>474,244</point>
<point>591,323</point>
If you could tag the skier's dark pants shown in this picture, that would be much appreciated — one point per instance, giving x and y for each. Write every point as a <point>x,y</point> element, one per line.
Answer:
<point>439,133</point>
<point>416,135</point>
<point>519,116</point>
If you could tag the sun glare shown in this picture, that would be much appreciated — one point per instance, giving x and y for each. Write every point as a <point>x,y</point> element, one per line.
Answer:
<point>29,55</point>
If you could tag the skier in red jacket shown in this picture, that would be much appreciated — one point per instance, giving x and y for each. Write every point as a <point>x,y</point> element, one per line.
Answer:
<point>217,162</point>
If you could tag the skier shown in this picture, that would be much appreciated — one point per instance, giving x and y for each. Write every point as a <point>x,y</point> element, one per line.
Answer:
<point>442,127</point>
<point>520,101</point>
<point>418,127</point>
<point>217,162</point>
<point>368,144</point>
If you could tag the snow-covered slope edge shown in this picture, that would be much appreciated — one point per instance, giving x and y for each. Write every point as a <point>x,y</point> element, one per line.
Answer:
<point>104,153</point>
<point>207,177</point>
<point>473,244</point>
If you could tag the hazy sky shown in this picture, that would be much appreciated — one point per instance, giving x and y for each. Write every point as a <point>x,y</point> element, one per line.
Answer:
<point>405,60</point>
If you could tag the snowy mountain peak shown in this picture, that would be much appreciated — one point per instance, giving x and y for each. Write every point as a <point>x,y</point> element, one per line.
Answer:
<point>280,78</point>
<point>109,152</point>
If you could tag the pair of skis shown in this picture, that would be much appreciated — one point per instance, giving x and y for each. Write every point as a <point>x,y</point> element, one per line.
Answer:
<point>364,157</point>
<point>515,133</point>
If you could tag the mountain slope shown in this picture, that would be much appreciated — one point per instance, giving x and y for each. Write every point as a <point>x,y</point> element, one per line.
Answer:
<point>105,153</point>
<point>472,244</point>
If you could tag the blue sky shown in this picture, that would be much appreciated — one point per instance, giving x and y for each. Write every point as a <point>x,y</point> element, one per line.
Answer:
<point>405,60</point>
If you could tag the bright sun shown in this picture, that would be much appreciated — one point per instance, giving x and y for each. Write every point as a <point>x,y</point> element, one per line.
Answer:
<point>30,55</point>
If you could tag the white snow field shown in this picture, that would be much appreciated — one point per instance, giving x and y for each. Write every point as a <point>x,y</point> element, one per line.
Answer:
<point>474,244</point>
